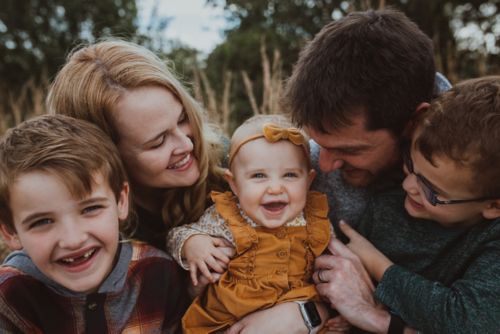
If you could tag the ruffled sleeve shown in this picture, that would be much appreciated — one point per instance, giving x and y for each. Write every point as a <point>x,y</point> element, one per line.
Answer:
<point>226,204</point>
<point>318,225</point>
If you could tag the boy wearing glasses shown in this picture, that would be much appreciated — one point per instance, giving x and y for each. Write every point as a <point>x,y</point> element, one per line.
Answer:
<point>435,247</point>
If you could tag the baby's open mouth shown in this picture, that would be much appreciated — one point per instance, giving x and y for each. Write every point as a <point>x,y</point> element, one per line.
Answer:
<point>274,206</point>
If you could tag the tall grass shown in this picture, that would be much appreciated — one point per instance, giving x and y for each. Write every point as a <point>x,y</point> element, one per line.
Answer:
<point>219,106</point>
<point>26,103</point>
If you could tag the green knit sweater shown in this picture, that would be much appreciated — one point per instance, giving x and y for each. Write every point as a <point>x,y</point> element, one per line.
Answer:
<point>445,280</point>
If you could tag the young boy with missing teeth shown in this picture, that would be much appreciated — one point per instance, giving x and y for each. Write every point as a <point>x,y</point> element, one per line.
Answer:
<point>63,196</point>
<point>434,244</point>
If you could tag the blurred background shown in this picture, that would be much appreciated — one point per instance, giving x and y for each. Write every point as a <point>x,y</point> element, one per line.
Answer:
<point>232,54</point>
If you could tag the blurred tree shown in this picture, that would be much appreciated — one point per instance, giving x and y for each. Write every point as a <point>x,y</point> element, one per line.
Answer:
<point>35,35</point>
<point>281,25</point>
<point>288,25</point>
<point>463,33</point>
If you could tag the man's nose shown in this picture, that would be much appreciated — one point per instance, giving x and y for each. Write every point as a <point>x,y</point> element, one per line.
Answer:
<point>329,161</point>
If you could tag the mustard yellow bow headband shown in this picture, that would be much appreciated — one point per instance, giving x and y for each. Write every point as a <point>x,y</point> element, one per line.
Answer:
<point>273,133</point>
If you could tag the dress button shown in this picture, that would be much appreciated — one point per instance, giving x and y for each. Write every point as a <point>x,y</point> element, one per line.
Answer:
<point>92,306</point>
<point>282,253</point>
<point>281,234</point>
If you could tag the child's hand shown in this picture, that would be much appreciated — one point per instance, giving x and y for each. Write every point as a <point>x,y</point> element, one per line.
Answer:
<point>373,260</point>
<point>202,253</point>
<point>338,325</point>
<point>195,291</point>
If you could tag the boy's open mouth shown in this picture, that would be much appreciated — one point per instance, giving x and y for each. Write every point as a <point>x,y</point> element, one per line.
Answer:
<point>274,206</point>
<point>77,260</point>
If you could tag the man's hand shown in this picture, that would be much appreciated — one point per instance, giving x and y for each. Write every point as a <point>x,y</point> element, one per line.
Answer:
<point>204,253</point>
<point>343,281</point>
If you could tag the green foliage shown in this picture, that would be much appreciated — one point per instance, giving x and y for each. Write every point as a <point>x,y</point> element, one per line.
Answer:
<point>288,25</point>
<point>36,35</point>
<point>40,32</point>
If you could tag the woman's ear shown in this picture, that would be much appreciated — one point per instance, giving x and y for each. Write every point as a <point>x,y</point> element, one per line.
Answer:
<point>10,237</point>
<point>492,211</point>
<point>229,177</point>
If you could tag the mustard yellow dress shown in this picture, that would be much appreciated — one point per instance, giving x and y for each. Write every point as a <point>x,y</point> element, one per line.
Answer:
<point>271,266</point>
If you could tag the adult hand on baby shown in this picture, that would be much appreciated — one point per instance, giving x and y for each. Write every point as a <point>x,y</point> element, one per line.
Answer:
<point>343,281</point>
<point>204,253</point>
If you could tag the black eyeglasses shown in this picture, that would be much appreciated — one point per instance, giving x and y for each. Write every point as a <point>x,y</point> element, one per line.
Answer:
<point>429,192</point>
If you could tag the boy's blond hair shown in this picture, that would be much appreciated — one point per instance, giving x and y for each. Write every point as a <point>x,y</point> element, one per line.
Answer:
<point>463,125</point>
<point>96,76</point>
<point>72,149</point>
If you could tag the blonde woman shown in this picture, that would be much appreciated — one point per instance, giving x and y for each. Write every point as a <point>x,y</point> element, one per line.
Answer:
<point>171,156</point>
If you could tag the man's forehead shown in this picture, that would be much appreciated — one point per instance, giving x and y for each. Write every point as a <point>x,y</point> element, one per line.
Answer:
<point>355,136</point>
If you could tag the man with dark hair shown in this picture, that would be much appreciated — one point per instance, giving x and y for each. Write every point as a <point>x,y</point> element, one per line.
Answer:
<point>355,88</point>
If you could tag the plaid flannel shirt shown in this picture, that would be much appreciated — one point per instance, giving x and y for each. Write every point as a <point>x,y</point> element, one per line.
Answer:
<point>144,293</point>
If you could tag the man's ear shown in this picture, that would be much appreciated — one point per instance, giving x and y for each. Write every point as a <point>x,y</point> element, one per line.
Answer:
<point>410,126</point>
<point>310,177</point>
<point>492,210</point>
<point>123,201</point>
<point>10,237</point>
<point>229,177</point>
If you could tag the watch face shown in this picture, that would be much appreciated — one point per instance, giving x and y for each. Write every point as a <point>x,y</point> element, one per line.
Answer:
<point>312,313</point>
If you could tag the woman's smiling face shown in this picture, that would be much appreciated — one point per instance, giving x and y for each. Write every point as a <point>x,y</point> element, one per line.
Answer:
<point>156,142</point>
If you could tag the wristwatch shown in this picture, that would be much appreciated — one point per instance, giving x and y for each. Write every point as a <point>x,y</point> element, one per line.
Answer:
<point>310,315</point>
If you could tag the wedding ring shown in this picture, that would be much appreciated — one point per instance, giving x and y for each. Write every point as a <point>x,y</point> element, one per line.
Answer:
<point>321,280</point>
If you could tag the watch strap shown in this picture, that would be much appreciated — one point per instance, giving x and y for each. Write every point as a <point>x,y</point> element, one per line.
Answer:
<point>312,327</point>
<point>396,325</point>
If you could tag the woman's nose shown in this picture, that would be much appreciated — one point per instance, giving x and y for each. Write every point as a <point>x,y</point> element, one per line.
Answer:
<point>184,142</point>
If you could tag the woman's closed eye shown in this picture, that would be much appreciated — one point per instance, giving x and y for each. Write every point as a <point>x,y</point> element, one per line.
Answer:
<point>158,142</point>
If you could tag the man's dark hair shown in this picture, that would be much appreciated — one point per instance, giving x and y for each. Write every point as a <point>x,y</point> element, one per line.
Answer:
<point>379,61</point>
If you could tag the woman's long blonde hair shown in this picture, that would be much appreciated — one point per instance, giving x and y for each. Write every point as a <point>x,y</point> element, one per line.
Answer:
<point>94,79</point>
